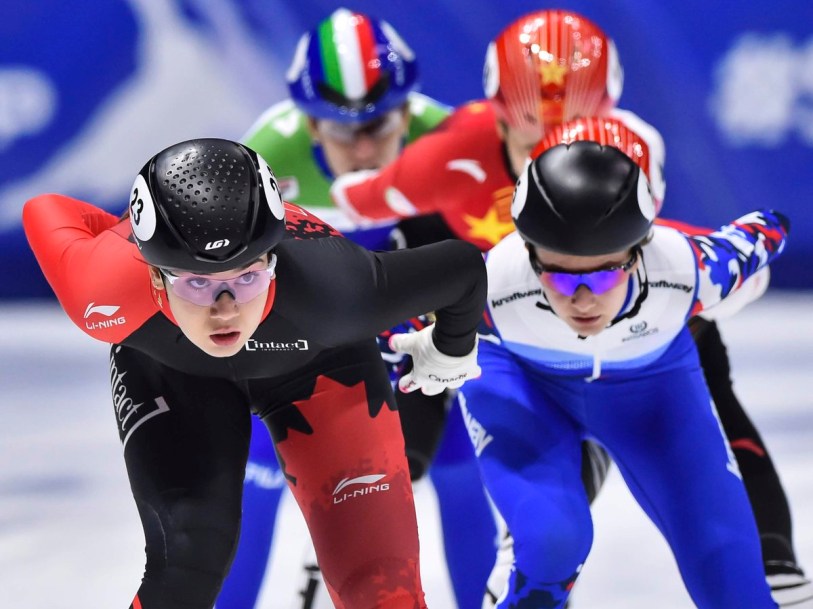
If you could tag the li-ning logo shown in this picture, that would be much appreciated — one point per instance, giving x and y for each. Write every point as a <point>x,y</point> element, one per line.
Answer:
<point>370,486</point>
<point>216,245</point>
<point>106,311</point>
<point>297,345</point>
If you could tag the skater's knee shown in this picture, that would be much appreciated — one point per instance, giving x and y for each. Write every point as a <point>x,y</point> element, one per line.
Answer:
<point>552,554</point>
<point>552,545</point>
<point>191,547</point>
<point>386,583</point>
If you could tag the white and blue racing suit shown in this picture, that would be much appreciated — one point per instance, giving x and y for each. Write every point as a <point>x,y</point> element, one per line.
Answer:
<point>637,389</point>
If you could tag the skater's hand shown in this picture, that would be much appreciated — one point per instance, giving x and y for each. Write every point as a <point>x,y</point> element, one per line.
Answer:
<point>432,371</point>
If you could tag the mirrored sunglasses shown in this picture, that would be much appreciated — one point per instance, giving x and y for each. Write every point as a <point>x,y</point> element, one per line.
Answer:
<point>348,133</point>
<point>598,281</point>
<point>204,290</point>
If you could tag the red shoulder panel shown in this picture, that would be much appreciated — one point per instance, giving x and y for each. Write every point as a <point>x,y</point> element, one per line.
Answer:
<point>93,267</point>
<point>301,224</point>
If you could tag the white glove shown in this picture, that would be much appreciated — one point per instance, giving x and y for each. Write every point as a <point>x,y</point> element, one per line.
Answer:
<point>432,371</point>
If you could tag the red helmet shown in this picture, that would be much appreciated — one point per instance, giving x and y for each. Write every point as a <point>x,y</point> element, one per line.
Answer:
<point>638,140</point>
<point>551,66</point>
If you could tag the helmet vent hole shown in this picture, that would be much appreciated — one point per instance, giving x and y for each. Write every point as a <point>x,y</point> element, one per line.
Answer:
<point>213,211</point>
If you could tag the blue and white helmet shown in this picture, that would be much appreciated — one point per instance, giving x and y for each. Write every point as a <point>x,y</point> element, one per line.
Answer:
<point>351,68</point>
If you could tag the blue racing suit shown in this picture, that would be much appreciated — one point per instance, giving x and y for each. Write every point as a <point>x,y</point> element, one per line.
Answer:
<point>637,389</point>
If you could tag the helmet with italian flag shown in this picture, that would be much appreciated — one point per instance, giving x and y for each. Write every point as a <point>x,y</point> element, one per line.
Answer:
<point>351,68</point>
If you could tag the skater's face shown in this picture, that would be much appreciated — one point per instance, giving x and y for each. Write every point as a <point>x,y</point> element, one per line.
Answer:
<point>518,145</point>
<point>586,292</point>
<point>356,146</point>
<point>234,310</point>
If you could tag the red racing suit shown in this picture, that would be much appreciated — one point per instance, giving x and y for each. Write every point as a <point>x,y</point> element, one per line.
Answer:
<point>459,170</point>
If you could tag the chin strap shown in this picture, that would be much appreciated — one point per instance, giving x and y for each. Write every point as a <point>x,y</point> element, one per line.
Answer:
<point>643,292</point>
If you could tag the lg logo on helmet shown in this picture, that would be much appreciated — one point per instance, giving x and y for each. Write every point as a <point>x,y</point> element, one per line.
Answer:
<point>216,245</point>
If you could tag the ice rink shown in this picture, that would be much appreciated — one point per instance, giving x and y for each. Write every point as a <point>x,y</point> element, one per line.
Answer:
<point>70,536</point>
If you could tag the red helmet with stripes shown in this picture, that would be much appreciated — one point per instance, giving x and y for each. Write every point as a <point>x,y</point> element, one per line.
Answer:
<point>551,66</point>
<point>638,140</point>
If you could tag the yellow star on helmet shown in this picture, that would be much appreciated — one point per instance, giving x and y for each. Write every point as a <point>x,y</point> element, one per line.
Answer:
<point>489,227</point>
<point>552,73</point>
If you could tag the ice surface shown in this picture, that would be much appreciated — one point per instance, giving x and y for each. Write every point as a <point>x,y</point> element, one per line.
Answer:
<point>70,536</point>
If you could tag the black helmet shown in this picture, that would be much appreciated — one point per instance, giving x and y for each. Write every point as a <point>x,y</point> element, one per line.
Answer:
<point>583,199</point>
<point>206,205</point>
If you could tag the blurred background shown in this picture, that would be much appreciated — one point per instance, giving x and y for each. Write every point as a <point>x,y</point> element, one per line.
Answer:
<point>90,90</point>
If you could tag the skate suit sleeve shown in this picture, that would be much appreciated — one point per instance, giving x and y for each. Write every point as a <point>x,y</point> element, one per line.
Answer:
<point>97,274</point>
<point>346,293</point>
<point>750,290</point>
<point>417,182</point>
<point>371,197</point>
<point>728,257</point>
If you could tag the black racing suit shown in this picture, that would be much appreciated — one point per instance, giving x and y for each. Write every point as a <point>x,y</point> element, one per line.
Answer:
<point>313,373</point>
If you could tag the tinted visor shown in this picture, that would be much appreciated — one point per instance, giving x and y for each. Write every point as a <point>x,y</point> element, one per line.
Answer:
<point>598,281</point>
<point>204,290</point>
